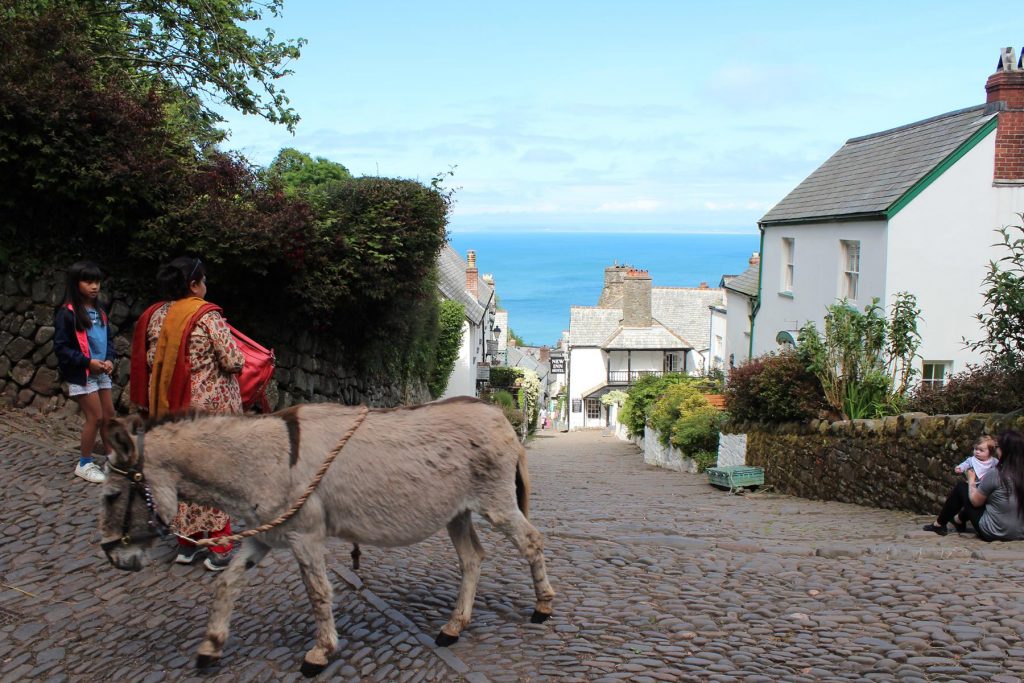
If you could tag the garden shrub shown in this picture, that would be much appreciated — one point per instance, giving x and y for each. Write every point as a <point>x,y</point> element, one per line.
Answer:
<point>502,376</point>
<point>978,389</point>
<point>775,387</point>
<point>705,459</point>
<point>508,404</point>
<point>642,394</point>
<point>677,401</point>
<point>698,430</point>
<point>864,361</point>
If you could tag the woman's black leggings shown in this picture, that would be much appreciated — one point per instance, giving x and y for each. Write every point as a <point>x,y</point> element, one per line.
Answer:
<point>959,500</point>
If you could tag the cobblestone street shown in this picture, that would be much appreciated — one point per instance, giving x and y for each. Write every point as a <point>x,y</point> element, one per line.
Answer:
<point>660,577</point>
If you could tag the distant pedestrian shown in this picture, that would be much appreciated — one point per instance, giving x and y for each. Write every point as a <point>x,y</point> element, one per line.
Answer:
<point>543,418</point>
<point>956,508</point>
<point>185,358</point>
<point>85,356</point>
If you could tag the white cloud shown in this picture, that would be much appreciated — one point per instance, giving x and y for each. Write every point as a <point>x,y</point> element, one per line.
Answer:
<point>635,206</point>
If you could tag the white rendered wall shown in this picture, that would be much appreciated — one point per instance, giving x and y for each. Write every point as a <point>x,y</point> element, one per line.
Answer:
<point>587,370</point>
<point>940,246</point>
<point>462,381</point>
<point>817,275</point>
<point>737,327</point>
<point>717,356</point>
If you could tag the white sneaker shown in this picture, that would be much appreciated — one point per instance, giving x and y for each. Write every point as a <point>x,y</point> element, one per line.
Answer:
<point>91,472</point>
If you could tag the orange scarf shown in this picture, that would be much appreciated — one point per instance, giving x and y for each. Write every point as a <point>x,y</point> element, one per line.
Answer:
<point>168,348</point>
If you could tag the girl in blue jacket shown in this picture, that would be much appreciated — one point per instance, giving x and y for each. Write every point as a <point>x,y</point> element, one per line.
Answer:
<point>86,356</point>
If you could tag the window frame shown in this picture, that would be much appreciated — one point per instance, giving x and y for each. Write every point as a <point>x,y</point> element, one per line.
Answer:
<point>788,273</point>
<point>596,402</point>
<point>850,250</point>
<point>935,382</point>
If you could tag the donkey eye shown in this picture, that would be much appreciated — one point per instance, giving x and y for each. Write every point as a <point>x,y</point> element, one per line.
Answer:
<point>111,497</point>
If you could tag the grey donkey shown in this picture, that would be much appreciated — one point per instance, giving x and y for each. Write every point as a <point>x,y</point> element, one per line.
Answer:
<point>404,474</point>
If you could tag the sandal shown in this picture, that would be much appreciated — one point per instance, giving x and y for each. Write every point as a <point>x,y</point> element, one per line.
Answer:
<point>940,530</point>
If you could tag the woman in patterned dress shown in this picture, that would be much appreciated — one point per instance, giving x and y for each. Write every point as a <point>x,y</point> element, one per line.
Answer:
<point>192,363</point>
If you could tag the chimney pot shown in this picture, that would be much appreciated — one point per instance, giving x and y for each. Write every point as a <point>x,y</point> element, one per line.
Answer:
<point>755,258</point>
<point>471,258</point>
<point>703,285</point>
<point>1005,90</point>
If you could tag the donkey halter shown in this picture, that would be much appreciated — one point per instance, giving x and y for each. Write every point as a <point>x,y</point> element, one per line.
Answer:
<point>157,527</point>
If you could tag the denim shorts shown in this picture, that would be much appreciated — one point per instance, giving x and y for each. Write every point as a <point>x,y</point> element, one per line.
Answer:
<point>93,383</point>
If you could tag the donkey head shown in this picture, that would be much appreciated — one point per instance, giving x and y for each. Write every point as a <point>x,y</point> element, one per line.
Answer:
<point>128,518</point>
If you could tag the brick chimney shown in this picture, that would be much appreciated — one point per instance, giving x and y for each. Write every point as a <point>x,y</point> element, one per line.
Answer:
<point>636,298</point>
<point>755,258</point>
<point>472,274</point>
<point>1005,90</point>
<point>611,295</point>
<point>545,354</point>
<point>703,285</point>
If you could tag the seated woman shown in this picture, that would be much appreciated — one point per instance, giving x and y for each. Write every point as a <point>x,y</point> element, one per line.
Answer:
<point>955,509</point>
<point>997,500</point>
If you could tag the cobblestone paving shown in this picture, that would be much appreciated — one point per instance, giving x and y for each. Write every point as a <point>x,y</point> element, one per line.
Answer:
<point>659,577</point>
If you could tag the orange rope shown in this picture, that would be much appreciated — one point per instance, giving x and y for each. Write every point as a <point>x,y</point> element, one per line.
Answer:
<point>204,542</point>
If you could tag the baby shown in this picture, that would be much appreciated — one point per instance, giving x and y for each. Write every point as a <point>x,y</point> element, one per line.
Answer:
<point>982,460</point>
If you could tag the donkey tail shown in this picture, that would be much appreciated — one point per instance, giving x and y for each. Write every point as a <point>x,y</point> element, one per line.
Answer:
<point>522,484</point>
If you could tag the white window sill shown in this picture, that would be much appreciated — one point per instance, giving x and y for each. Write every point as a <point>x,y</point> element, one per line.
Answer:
<point>788,295</point>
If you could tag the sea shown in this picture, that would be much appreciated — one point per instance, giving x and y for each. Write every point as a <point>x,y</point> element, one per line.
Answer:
<point>539,275</point>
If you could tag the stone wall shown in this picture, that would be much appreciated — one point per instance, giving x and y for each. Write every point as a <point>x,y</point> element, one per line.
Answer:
<point>309,369</point>
<point>903,462</point>
<point>668,457</point>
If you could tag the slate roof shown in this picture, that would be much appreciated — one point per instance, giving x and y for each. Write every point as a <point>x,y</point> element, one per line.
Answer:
<point>868,174</point>
<point>653,337</point>
<point>590,325</point>
<point>452,283</point>
<point>746,282</point>
<point>684,310</point>
<point>682,320</point>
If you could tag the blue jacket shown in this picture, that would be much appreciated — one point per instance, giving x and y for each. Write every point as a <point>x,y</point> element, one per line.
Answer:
<point>72,346</point>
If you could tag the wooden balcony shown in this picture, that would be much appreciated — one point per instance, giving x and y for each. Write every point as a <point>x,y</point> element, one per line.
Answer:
<point>628,377</point>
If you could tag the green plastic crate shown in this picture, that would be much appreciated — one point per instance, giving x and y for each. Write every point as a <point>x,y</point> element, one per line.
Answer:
<point>734,477</point>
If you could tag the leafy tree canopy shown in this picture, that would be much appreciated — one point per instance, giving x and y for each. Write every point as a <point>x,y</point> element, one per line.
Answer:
<point>299,170</point>
<point>199,50</point>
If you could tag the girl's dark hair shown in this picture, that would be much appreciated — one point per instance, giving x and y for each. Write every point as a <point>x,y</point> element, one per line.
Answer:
<point>81,271</point>
<point>174,278</point>
<point>1011,465</point>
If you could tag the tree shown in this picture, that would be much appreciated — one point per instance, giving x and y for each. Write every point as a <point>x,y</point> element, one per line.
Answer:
<point>299,171</point>
<point>200,48</point>
<point>1003,317</point>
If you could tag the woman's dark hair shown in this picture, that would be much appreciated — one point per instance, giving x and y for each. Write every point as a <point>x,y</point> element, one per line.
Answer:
<point>1011,465</point>
<point>174,278</point>
<point>81,271</point>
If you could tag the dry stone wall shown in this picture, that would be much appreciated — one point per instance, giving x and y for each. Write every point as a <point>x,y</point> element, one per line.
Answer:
<point>309,369</point>
<point>904,462</point>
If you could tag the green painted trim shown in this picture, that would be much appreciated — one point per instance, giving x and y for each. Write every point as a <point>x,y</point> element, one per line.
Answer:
<point>954,156</point>
<point>757,301</point>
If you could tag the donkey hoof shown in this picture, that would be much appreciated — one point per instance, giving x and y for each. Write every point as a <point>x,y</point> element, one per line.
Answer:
<point>309,670</point>
<point>539,617</point>
<point>444,640</point>
<point>206,661</point>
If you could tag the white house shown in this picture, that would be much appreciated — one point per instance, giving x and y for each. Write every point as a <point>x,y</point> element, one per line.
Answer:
<point>740,299</point>
<point>635,330</point>
<point>459,280</point>
<point>909,209</point>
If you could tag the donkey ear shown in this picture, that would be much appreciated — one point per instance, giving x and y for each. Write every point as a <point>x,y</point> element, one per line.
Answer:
<point>121,441</point>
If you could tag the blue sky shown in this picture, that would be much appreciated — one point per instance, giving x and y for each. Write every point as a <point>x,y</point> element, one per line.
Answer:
<point>595,115</point>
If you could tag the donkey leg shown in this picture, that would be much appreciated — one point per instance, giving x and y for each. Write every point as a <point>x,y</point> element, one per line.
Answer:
<point>471,556</point>
<point>229,585</point>
<point>530,544</point>
<point>309,552</point>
